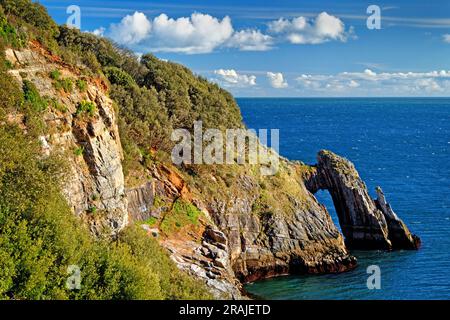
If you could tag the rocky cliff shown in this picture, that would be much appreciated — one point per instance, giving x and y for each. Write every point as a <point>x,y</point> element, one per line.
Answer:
<point>91,145</point>
<point>225,225</point>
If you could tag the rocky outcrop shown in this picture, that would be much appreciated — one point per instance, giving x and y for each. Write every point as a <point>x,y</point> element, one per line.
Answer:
<point>90,146</point>
<point>274,244</point>
<point>208,260</point>
<point>365,223</point>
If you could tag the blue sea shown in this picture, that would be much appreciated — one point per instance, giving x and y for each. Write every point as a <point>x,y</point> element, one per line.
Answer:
<point>400,144</point>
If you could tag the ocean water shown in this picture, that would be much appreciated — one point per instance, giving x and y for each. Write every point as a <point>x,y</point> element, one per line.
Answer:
<point>400,144</point>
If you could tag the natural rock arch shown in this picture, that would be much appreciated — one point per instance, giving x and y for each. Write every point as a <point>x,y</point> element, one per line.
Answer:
<point>366,223</point>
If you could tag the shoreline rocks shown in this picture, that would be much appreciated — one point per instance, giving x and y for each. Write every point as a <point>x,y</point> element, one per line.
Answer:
<point>366,223</point>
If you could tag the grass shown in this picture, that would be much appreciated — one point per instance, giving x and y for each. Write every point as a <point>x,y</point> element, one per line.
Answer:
<point>65,85</point>
<point>79,151</point>
<point>33,97</point>
<point>81,85</point>
<point>57,106</point>
<point>151,221</point>
<point>182,214</point>
<point>86,107</point>
<point>55,74</point>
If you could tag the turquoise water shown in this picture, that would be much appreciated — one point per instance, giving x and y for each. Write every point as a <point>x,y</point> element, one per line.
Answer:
<point>403,145</point>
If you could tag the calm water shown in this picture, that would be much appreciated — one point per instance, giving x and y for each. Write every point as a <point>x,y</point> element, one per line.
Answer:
<point>403,145</point>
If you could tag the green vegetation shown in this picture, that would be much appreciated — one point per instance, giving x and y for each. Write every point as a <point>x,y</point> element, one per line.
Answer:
<point>151,221</point>
<point>55,74</point>
<point>31,22</point>
<point>86,107</point>
<point>182,214</point>
<point>54,104</point>
<point>65,85</point>
<point>40,238</point>
<point>8,33</point>
<point>32,96</point>
<point>78,151</point>
<point>81,85</point>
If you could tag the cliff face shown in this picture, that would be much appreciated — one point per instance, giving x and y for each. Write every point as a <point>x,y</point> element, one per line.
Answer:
<point>90,144</point>
<point>225,226</point>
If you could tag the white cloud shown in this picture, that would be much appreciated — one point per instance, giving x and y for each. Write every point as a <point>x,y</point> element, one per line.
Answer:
<point>299,30</point>
<point>203,33</point>
<point>369,82</point>
<point>277,80</point>
<point>446,37</point>
<point>99,32</point>
<point>251,40</point>
<point>131,30</point>
<point>232,78</point>
<point>200,33</point>
<point>353,84</point>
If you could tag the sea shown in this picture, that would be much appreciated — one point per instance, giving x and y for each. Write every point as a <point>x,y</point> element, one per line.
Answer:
<point>400,144</point>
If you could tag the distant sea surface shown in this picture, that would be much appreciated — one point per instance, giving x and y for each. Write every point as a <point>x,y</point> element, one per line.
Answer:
<point>400,144</point>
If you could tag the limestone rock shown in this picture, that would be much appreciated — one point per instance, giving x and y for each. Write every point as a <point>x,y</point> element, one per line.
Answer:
<point>365,223</point>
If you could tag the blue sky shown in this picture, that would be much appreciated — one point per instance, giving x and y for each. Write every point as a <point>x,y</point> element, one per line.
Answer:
<point>284,47</point>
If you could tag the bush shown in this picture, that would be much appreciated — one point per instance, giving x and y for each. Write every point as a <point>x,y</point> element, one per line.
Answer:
<point>40,237</point>
<point>86,107</point>
<point>11,95</point>
<point>32,13</point>
<point>182,214</point>
<point>33,97</point>
<point>55,74</point>
<point>81,85</point>
<point>64,84</point>
<point>119,77</point>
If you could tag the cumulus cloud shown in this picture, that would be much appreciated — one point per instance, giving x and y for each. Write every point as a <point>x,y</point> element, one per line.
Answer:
<point>277,80</point>
<point>99,32</point>
<point>446,37</point>
<point>368,82</point>
<point>251,40</point>
<point>232,78</point>
<point>203,33</point>
<point>200,33</point>
<point>131,30</point>
<point>299,30</point>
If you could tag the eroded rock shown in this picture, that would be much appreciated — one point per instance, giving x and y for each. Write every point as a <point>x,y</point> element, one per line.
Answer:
<point>365,223</point>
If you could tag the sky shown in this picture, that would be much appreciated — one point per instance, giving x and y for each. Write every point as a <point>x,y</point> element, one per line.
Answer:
<point>286,48</point>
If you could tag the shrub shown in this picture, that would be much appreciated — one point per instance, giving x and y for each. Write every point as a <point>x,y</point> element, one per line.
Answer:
<point>56,105</point>
<point>81,85</point>
<point>40,238</point>
<point>183,213</point>
<point>79,151</point>
<point>119,77</point>
<point>33,97</point>
<point>86,107</point>
<point>11,95</point>
<point>64,84</point>
<point>55,74</point>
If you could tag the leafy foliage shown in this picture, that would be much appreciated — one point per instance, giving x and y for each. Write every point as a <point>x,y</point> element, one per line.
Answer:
<point>182,214</point>
<point>86,107</point>
<point>40,238</point>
